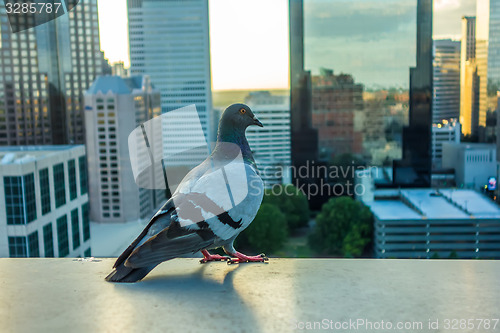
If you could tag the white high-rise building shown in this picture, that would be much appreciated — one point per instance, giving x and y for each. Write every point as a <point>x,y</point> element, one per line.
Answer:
<point>169,41</point>
<point>446,80</point>
<point>115,106</point>
<point>44,202</point>
<point>271,145</point>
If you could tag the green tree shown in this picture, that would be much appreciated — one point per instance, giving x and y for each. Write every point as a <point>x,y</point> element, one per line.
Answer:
<point>343,227</point>
<point>267,233</point>
<point>291,202</point>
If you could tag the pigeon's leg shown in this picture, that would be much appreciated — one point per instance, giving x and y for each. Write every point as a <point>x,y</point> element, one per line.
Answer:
<point>240,257</point>
<point>212,257</point>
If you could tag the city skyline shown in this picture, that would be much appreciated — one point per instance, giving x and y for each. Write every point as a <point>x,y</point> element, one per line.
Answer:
<point>269,69</point>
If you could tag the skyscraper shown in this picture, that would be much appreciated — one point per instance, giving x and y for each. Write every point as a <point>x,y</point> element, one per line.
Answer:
<point>169,42</point>
<point>469,82</point>
<point>271,144</point>
<point>415,167</point>
<point>44,72</point>
<point>335,99</point>
<point>115,106</point>
<point>304,136</point>
<point>487,54</point>
<point>446,80</point>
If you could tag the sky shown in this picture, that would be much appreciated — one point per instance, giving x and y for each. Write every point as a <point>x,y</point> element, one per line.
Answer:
<point>374,40</point>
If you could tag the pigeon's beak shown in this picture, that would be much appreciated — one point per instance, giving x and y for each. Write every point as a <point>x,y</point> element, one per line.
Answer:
<point>257,122</point>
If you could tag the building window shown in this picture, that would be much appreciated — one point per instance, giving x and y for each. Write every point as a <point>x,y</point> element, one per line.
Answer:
<point>20,202</point>
<point>14,201</point>
<point>17,247</point>
<point>33,246</point>
<point>48,241</point>
<point>82,164</point>
<point>87,253</point>
<point>62,236</point>
<point>29,196</point>
<point>85,222</point>
<point>45,191</point>
<point>75,228</point>
<point>72,179</point>
<point>59,185</point>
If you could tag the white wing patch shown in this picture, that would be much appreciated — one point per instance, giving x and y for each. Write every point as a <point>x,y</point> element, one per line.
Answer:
<point>237,190</point>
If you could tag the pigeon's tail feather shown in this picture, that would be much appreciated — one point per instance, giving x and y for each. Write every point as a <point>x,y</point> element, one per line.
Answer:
<point>128,274</point>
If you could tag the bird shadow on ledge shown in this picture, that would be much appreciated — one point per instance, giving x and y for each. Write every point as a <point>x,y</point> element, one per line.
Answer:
<point>207,290</point>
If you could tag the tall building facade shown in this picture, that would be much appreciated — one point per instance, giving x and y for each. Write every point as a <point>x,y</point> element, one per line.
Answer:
<point>335,98</point>
<point>304,136</point>
<point>115,106</point>
<point>487,54</point>
<point>446,80</point>
<point>271,145</point>
<point>469,81</point>
<point>169,42</point>
<point>415,167</point>
<point>44,73</point>
<point>44,202</point>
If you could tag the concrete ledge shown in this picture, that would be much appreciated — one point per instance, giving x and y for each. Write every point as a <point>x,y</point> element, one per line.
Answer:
<point>63,295</point>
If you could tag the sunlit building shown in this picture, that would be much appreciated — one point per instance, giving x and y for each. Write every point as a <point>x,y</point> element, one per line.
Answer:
<point>44,202</point>
<point>446,80</point>
<point>487,53</point>
<point>469,82</point>
<point>115,106</point>
<point>169,42</point>
<point>43,74</point>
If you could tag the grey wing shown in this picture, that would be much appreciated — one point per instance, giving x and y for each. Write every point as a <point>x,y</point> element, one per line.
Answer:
<point>175,240</point>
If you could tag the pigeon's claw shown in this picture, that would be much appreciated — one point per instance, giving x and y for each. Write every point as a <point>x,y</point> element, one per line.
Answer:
<point>207,257</point>
<point>241,258</point>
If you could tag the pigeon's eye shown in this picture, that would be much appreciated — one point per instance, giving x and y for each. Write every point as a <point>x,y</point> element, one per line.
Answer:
<point>242,111</point>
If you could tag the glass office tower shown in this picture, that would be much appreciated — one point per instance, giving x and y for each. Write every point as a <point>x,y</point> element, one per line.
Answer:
<point>304,136</point>
<point>414,170</point>
<point>44,71</point>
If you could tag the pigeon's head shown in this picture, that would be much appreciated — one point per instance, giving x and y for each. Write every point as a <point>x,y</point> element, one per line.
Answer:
<point>239,117</point>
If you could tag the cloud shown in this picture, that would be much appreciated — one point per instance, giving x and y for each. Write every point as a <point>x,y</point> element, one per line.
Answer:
<point>366,20</point>
<point>373,41</point>
<point>448,16</point>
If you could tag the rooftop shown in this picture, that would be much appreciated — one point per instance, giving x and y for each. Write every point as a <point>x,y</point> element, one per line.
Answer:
<point>62,295</point>
<point>26,154</point>
<point>115,84</point>
<point>409,204</point>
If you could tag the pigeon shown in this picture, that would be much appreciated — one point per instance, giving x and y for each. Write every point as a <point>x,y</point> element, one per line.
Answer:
<point>212,204</point>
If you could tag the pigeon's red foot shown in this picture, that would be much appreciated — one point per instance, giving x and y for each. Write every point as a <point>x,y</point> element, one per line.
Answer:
<point>212,257</point>
<point>240,258</point>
